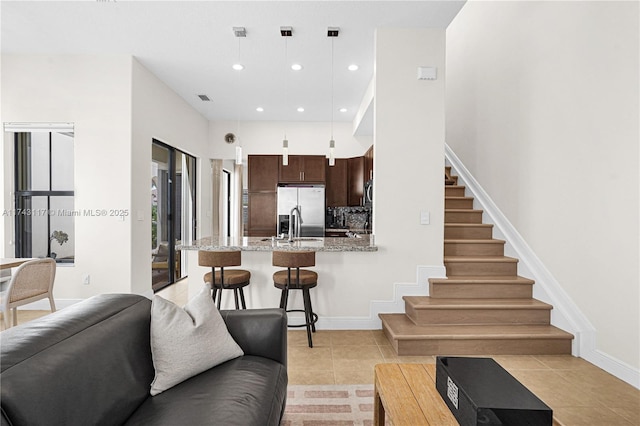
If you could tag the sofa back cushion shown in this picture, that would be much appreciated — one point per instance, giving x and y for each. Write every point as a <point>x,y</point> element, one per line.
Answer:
<point>87,364</point>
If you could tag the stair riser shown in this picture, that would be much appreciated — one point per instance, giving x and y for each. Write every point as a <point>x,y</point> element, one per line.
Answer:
<point>454,191</point>
<point>463,217</point>
<point>480,291</point>
<point>478,316</point>
<point>481,268</point>
<point>524,346</point>
<point>473,249</point>
<point>467,232</point>
<point>458,203</point>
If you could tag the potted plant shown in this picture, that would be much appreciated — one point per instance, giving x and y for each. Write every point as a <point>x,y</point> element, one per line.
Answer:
<point>61,237</point>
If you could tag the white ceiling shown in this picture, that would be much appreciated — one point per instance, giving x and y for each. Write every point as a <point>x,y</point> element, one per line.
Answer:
<point>190,45</point>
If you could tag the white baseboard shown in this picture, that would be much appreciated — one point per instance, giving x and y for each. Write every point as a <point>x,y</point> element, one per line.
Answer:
<point>566,314</point>
<point>394,305</point>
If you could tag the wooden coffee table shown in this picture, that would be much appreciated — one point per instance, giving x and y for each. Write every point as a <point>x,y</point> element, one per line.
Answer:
<point>407,394</point>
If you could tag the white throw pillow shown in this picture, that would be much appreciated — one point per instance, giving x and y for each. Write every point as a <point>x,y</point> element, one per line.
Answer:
<point>186,342</point>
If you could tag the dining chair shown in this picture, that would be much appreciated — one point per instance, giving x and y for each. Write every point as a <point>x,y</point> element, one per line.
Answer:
<point>31,281</point>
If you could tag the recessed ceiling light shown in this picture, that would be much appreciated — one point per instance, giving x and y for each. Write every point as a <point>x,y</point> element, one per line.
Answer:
<point>352,67</point>
<point>300,109</point>
<point>237,67</point>
<point>259,109</point>
<point>343,110</point>
<point>296,67</point>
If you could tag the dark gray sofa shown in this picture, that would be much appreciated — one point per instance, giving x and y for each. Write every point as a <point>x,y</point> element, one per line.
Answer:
<point>90,364</point>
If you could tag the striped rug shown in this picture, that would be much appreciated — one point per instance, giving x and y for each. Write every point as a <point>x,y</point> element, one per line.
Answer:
<point>329,405</point>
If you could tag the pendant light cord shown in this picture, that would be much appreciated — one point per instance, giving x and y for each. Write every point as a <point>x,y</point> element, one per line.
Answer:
<point>332,95</point>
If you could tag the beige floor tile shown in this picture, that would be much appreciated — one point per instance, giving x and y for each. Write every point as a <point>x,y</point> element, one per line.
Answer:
<point>589,416</point>
<point>380,337</point>
<point>299,338</point>
<point>303,357</point>
<point>565,362</point>
<point>520,362</point>
<point>356,352</point>
<point>343,364</point>
<point>352,337</point>
<point>353,377</point>
<point>310,377</point>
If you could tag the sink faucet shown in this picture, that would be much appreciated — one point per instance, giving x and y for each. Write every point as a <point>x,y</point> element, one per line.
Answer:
<point>294,232</point>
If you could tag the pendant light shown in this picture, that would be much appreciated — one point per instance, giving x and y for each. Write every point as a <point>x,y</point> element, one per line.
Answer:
<point>332,33</point>
<point>239,32</point>
<point>285,32</point>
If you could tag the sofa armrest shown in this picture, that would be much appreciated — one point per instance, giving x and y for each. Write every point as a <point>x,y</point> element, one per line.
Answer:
<point>260,332</point>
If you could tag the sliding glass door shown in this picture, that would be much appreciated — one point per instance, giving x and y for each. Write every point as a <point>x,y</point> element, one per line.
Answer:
<point>173,212</point>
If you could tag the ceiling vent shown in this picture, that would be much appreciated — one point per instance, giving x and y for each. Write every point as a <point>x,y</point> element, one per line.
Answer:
<point>204,98</point>
<point>286,31</point>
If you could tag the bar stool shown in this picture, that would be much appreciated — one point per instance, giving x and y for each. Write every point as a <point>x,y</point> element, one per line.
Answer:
<point>294,278</point>
<point>225,279</point>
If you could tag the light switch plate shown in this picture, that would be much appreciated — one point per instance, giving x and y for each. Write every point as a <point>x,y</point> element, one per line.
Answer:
<point>424,217</point>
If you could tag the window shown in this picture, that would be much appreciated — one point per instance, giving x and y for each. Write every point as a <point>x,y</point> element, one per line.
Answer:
<point>44,197</point>
<point>173,212</point>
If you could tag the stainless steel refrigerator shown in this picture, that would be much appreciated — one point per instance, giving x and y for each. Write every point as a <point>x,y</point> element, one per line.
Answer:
<point>310,202</point>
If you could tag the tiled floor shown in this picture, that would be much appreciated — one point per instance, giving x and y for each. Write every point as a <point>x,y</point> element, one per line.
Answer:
<point>578,392</point>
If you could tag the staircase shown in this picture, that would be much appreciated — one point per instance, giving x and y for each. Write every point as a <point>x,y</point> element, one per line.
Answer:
<point>482,307</point>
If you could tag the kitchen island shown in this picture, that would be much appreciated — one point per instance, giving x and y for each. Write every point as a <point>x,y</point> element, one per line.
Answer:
<point>341,264</point>
<point>360,243</point>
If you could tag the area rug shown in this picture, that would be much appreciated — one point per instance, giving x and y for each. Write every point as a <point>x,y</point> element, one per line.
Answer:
<point>329,405</point>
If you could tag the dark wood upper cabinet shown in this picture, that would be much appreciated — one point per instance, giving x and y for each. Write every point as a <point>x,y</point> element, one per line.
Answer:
<point>356,181</point>
<point>337,188</point>
<point>304,168</point>
<point>263,172</point>
<point>368,164</point>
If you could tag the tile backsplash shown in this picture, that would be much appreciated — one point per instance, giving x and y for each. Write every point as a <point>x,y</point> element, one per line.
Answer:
<point>354,218</point>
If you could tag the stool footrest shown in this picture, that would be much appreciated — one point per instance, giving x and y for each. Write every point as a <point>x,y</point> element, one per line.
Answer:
<point>304,324</point>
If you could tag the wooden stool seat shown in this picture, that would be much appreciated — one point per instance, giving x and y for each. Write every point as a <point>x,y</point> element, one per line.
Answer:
<point>307,279</point>
<point>225,279</point>
<point>232,277</point>
<point>294,278</point>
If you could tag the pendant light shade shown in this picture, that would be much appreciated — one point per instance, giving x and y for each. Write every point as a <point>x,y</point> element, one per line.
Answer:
<point>285,152</point>
<point>332,146</point>
<point>332,33</point>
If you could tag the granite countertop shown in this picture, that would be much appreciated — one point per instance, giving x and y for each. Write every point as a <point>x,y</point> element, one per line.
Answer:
<point>335,244</point>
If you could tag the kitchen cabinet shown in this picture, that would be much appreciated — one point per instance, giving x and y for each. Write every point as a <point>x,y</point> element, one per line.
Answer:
<point>262,214</point>
<point>262,199</point>
<point>263,172</point>
<point>337,188</point>
<point>355,181</point>
<point>368,164</point>
<point>304,168</point>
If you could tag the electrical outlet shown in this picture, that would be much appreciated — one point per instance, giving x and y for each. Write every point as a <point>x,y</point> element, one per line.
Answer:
<point>86,279</point>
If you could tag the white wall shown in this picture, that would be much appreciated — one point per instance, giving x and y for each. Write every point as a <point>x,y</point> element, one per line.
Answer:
<point>158,112</point>
<point>93,92</point>
<point>305,138</point>
<point>542,108</point>
<point>117,108</point>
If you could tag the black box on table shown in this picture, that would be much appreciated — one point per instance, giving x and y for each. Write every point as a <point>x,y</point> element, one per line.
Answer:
<point>478,391</point>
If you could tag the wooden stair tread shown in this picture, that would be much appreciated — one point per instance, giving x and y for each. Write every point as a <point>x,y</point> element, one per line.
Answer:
<point>402,328</point>
<point>426,302</point>
<point>463,211</point>
<point>461,225</point>
<point>479,259</point>
<point>474,241</point>
<point>483,280</point>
